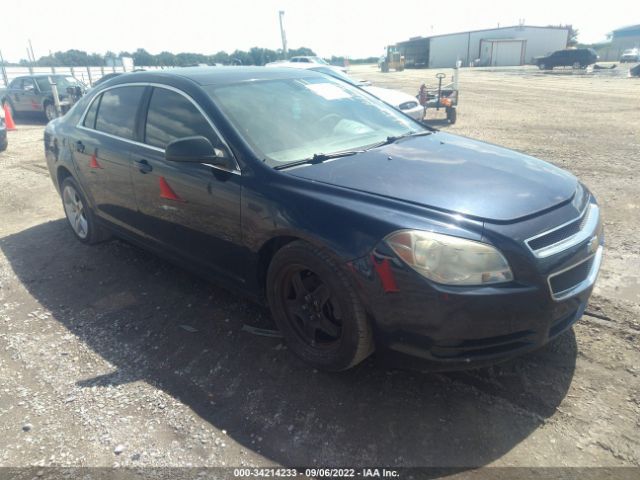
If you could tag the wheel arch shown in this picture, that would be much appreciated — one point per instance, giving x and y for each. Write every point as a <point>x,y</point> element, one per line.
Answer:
<point>270,247</point>
<point>62,172</point>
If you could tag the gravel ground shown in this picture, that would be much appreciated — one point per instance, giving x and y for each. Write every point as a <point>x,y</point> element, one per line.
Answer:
<point>111,356</point>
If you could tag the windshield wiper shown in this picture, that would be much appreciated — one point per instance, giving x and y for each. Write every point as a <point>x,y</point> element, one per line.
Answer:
<point>395,138</point>
<point>318,158</point>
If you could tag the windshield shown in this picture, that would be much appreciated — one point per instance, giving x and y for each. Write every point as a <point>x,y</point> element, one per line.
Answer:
<point>62,82</point>
<point>291,119</point>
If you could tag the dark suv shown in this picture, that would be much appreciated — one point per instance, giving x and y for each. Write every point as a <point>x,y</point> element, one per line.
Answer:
<point>573,57</point>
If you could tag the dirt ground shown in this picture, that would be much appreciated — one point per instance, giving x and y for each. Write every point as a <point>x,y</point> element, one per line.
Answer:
<point>111,356</point>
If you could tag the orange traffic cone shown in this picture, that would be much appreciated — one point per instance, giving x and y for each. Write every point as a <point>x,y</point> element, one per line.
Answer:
<point>8,120</point>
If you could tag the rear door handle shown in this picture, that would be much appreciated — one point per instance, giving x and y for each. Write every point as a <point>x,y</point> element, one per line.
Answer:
<point>143,166</point>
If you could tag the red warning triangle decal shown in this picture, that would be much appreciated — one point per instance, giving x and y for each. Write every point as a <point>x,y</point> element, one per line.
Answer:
<point>167,192</point>
<point>93,163</point>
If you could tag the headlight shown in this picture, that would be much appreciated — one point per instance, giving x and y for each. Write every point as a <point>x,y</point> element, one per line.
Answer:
<point>450,260</point>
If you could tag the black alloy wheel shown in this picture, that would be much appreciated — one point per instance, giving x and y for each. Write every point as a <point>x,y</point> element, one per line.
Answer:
<point>317,309</point>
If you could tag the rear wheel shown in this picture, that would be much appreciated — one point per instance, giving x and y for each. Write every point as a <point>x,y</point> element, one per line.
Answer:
<point>50,111</point>
<point>79,214</point>
<point>452,115</point>
<point>317,309</point>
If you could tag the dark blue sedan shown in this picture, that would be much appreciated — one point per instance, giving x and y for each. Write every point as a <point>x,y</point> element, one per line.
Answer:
<point>359,227</point>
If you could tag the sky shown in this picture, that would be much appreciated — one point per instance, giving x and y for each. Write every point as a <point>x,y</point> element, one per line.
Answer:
<point>353,28</point>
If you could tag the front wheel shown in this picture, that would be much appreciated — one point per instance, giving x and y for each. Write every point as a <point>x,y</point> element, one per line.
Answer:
<point>317,309</point>
<point>79,214</point>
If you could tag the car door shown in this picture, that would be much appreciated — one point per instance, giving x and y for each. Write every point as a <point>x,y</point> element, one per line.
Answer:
<point>191,209</point>
<point>25,97</point>
<point>102,152</point>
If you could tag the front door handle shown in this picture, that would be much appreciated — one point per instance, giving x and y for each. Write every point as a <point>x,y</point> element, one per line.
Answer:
<point>143,166</point>
<point>79,146</point>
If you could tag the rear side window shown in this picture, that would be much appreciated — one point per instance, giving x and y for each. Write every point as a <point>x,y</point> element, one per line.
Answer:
<point>118,110</point>
<point>90,118</point>
<point>172,116</point>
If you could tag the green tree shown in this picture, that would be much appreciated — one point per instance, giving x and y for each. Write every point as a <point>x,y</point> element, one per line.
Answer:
<point>166,59</point>
<point>143,58</point>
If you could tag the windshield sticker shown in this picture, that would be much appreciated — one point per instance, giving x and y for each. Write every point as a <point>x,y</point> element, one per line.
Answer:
<point>327,91</point>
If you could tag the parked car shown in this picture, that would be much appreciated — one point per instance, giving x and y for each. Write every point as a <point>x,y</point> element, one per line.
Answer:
<point>402,101</point>
<point>359,227</point>
<point>32,93</point>
<point>4,142</point>
<point>313,59</point>
<point>630,55</point>
<point>571,57</point>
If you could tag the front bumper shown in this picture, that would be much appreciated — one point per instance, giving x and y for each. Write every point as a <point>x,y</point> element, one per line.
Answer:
<point>451,328</point>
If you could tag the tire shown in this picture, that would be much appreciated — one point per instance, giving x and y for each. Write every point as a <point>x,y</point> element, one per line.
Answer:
<point>317,309</point>
<point>79,215</point>
<point>50,111</point>
<point>452,115</point>
<point>384,67</point>
<point>3,145</point>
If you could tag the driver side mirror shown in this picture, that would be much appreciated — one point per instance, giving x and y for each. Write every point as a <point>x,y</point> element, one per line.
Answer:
<point>198,150</point>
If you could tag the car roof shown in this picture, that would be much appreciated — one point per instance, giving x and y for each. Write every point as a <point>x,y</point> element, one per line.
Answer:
<point>217,75</point>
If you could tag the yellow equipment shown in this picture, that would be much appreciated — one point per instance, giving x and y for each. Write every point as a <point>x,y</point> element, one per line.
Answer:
<point>393,60</point>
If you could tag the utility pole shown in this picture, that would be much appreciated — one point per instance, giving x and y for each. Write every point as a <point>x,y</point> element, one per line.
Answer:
<point>284,36</point>
<point>33,57</point>
<point>30,62</point>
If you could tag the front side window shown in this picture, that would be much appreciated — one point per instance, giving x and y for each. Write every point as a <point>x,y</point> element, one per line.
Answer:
<point>172,116</point>
<point>292,119</point>
<point>117,111</point>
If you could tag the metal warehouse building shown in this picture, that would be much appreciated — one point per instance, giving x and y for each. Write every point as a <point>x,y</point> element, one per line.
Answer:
<point>621,39</point>
<point>502,46</point>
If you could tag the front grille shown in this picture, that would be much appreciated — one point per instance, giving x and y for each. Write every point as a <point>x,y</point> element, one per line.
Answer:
<point>566,236</point>
<point>559,234</point>
<point>568,279</point>
<point>408,105</point>
<point>556,236</point>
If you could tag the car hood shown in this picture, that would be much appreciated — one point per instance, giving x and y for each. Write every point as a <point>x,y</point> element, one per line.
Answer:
<point>451,173</point>
<point>392,97</point>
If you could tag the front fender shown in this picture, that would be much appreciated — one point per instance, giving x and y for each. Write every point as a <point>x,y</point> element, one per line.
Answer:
<point>346,222</point>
